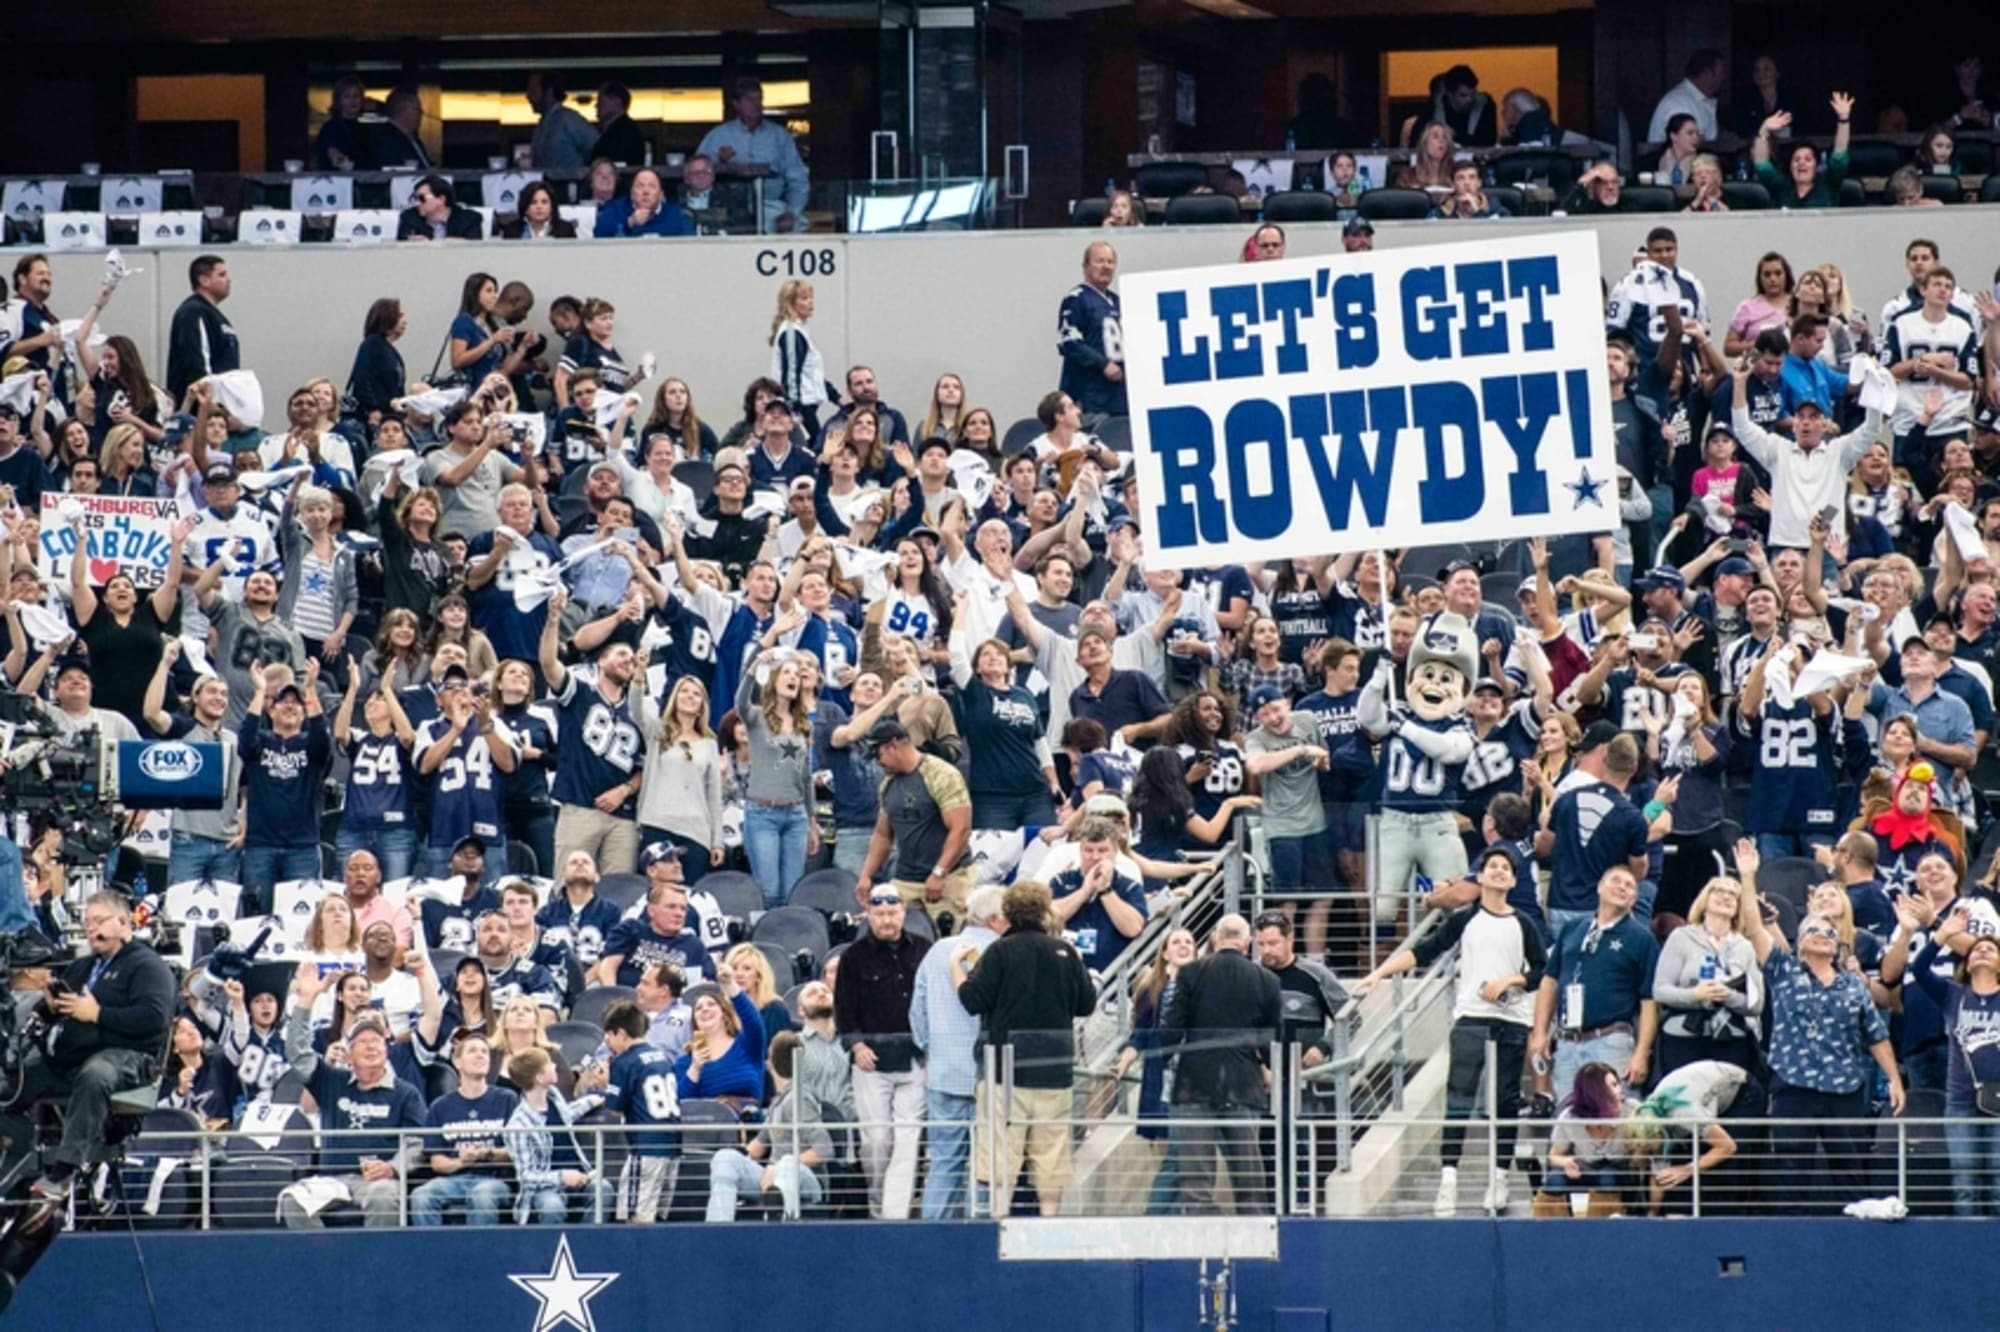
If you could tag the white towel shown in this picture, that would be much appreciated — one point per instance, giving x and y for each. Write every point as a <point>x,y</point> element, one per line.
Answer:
<point>1827,669</point>
<point>238,393</point>
<point>431,402</point>
<point>1878,386</point>
<point>1964,529</point>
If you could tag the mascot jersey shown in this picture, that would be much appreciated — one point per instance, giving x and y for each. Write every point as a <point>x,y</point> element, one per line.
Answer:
<point>1413,781</point>
<point>1430,739</point>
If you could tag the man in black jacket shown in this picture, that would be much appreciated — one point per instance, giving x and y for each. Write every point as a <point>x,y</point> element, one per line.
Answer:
<point>433,216</point>
<point>1224,1011</point>
<point>115,1007</point>
<point>200,341</point>
<point>1028,989</point>
<point>871,1010</point>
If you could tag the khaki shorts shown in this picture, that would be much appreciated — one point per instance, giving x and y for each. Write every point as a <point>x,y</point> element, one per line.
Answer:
<point>957,887</point>
<point>1037,1132</point>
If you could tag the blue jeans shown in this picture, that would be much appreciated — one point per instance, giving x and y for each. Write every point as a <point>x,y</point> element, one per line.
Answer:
<point>1973,1140</point>
<point>192,857</point>
<point>774,837</point>
<point>265,867</point>
<point>1771,846</point>
<point>1601,1178</point>
<point>15,913</point>
<point>551,1206</point>
<point>1166,1187</point>
<point>850,848</point>
<point>731,1174</point>
<point>436,862</point>
<point>950,1136</point>
<point>1614,1048</point>
<point>484,1198</point>
<point>1303,864</point>
<point>1036,809</point>
<point>395,849</point>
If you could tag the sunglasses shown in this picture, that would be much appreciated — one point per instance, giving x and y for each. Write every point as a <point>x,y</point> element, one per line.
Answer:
<point>1820,931</point>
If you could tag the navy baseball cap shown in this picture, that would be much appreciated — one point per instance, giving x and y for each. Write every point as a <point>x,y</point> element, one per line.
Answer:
<point>1262,695</point>
<point>658,853</point>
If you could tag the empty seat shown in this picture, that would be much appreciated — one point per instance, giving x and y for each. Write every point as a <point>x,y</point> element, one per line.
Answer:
<point>1300,206</point>
<point>1745,196</point>
<point>1871,159</point>
<point>1089,212</point>
<point>243,1191</point>
<point>1167,180</point>
<point>1019,436</point>
<point>784,964</point>
<point>1649,199</point>
<point>1389,205</point>
<point>577,1041</point>
<point>1115,432</point>
<point>1203,210</point>
<point>1528,166</point>
<point>623,891</point>
<point>698,475</point>
<point>794,929</point>
<point>828,891</point>
<point>1853,194</point>
<point>590,1005</point>
<point>1945,189</point>
<point>1509,198</point>
<point>1791,878</point>
<point>736,893</point>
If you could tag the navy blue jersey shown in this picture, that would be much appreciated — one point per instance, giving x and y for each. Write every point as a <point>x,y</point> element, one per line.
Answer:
<point>738,642</point>
<point>582,930</point>
<point>1089,333</point>
<point>1341,735</point>
<point>1225,778</point>
<point>465,791</point>
<point>1115,771</point>
<point>529,725</point>
<point>378,782</point>
<point>639,949</point>
<point>1414,782</point>
<point>524,975</point>
<point>678,642</point>
<point>601,746</point>
<point>582,352</point>
<point>284,776</point>
<point>512,631</point>
<point>642,1089</point>
<point>449,924</point>
<point>1626,702</point>
<point>1356,620</point>
<point>1793,780</point>
<point>1495,765</point>
<point>856,776</point>
<point>1221,586</point>
<point>458,1121</point>
<point>1304,616</point>
<point>1596,828</point>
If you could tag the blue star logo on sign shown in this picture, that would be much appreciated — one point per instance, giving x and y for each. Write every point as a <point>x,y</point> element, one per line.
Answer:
<point>1586,489</point>
<point>565,1293</point>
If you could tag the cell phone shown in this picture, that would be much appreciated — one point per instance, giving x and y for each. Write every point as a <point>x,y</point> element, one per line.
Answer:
<point>1829,514</point>
<point>1624,485</point>
<point>1737,545</point>
<point>1643,642</point>
<point>59,989</point>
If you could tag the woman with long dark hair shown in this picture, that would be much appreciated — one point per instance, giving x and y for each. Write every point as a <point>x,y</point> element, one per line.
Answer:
<point>1013,783</point>
<point>117,375</point>
<point>479,344</point>
<point>780,826</point>
<point>1166,822</point>
<point>526,812</point>
<point>919,607</point>
<point>674,416</point>
<point>377,378</point>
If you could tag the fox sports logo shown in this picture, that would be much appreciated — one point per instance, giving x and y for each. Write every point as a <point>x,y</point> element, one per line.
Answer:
<point>170,762</point>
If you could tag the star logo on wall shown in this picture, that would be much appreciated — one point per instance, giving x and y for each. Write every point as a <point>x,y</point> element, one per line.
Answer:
<point>565,1293</point>
<point>1586,489</point>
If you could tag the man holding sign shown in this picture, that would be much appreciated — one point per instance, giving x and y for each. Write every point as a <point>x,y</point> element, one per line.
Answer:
<point>1405,398</point>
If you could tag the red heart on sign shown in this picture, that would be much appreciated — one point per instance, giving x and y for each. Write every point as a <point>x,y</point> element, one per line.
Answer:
<point>102,571</point>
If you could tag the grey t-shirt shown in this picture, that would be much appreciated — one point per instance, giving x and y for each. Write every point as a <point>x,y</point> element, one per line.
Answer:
<point>1291,793</point>
<point>1572,1135</point>
<point>241,640</point>
<point>473,505</point>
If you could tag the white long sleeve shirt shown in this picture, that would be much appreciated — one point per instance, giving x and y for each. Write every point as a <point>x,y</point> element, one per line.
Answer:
<point>1804,481</point>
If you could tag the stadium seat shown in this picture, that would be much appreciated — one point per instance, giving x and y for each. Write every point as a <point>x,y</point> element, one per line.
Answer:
<point>707,1117</point>
<point>1089,212</point>
<point>1168,180</point>
<point>1502,589</point>
<point>290,1088</point>
<point>1989,192</point>
<point>1853,194</point>
<point>165,1135</point>
<point>1203,210</point>
<point>243,1191</point>
<point>794,929</point>
<point>1020,435</point>
<point>698,475</point>
<point>1508,197</point>
<point>1394,205</point>
<point>1745,196</point>
<point>521,859</point>
<point>783,962</point>
<point>1429,561</point>
<point>576,1040</point>
<point>1872,158</point>
<point>829,891</point>
<point>1945,189</point>
<point>1649,199</point>
<point>589,1007</point>
<point>1300,206</point>
<point>919,924</point>
<point>1115,432</point>
<point>623,891</point>
<point>1527,166</point>
<point>736,893</point>
<point>1975,156</point>
<point>791,1000</point>
<point>1791,878</point>
<point>573,483</point>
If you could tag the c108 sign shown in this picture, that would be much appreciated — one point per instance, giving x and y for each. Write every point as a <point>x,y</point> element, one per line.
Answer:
<point>1396,398</point>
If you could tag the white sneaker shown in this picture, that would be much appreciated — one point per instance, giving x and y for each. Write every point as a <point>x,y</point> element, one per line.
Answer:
<point>1496,1192</point>
<point>1447,1195</point>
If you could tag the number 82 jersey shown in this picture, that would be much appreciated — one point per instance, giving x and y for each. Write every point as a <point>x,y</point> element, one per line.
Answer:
<point>602,746</point>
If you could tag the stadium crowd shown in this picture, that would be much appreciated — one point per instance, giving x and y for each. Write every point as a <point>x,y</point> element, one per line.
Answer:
<point>544,694</point>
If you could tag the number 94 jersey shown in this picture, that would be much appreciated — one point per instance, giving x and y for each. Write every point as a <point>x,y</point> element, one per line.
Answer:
<point>1414,782</point>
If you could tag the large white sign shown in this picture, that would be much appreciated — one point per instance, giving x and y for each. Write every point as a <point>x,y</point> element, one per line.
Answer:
<point>1402,398</point>
<point>125,535</point>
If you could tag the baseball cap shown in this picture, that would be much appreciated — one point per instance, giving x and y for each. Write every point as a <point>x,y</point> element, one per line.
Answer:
<point>1488,682</point>
<point>605,465</point>
<point>454,677</point>
<point>1262,695</point>
<point>658,853</point>
<point>1662,575</point>
<point>776,406</point>
<point>291,689</point>
<point>219,472</point>
<point>1122,520</point>
<point>935,444</point>
<point>1457,566</point>
<point>470,842</point>
<point>1597,734</point>
<point>1528,585</point>
<point>1736,564</point>
<point>72,663</point>
<point>1358,226</point>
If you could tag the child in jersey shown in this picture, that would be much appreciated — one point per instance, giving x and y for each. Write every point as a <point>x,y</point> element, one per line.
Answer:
<point>1426,742</point>
<point>640,1086</point>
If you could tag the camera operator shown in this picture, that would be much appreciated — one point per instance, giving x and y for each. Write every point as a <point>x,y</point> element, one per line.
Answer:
<point>114,1009</point>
